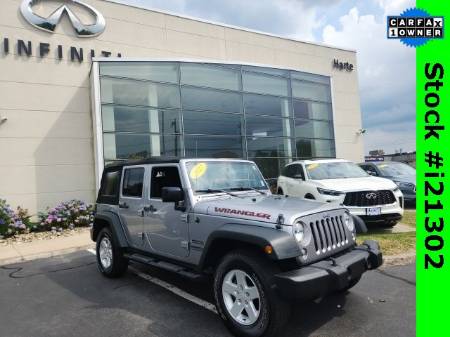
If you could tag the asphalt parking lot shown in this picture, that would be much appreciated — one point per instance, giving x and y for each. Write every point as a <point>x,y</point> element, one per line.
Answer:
<point>67,296</point>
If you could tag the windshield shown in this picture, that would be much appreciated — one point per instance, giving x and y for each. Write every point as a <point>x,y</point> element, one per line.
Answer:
<point>334,170</point>
<point>396,169</point>
<point>218,176</point>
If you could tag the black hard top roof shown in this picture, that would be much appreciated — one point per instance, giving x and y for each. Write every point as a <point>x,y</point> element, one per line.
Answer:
<point>160,160</point>
<point>154,160</point>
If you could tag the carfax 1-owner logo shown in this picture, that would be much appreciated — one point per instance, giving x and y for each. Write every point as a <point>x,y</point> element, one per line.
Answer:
<point>415,27</point>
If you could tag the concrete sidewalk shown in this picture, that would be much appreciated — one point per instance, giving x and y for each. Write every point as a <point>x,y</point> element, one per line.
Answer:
<point>38,249</point>
<point>19,252</point>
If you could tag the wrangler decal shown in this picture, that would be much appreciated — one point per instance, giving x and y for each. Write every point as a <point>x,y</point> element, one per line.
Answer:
<point>242,212</point>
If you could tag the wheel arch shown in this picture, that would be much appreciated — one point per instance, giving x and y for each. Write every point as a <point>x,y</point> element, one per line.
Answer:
<point>310,196</point>
<point>111,221</point>
<point>234,236</point>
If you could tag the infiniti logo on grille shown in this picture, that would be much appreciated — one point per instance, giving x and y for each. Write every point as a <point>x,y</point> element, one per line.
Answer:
<point>371,195</point>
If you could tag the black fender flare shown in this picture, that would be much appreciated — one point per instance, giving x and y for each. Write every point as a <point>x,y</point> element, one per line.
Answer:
<point>283,244</point>
<point>359,224</point>
<point>115,225</point>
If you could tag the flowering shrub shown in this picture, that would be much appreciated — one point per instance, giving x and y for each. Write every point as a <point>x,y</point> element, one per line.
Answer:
<point>13,222</point>
<point>71,214</point>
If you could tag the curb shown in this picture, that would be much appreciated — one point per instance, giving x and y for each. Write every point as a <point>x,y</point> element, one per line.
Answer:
<point>43,255</point>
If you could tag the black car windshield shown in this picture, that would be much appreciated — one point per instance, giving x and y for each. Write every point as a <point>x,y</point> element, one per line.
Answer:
<point>396,169</point>
<point>218,176</point>
<point>334,170</point>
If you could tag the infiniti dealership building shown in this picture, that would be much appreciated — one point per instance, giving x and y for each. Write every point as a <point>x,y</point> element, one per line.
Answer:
<point>88,82</point>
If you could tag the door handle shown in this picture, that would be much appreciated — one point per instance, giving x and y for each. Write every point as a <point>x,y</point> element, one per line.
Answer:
<point>123,205</point>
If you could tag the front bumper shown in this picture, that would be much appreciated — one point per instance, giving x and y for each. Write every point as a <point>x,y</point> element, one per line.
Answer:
<point>381,218</point>
<point>332,274</point>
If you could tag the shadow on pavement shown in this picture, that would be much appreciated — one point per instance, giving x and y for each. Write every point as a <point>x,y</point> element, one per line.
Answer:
<point>76,298</point>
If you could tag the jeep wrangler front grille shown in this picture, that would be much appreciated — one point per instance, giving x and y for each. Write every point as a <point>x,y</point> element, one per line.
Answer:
<point>369,198</point>
<point>328,234</point>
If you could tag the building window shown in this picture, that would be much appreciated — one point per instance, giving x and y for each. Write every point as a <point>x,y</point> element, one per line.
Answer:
<point>266,126</point>
<point>183,109</point>
<point>312,110</point>
<point>315,148</point>
<point>212,123</point>
<point>312,91</point>
<point>204,75</point>
<point>153,71</point>
<point>118,118</point>
<point>134,93</point>
<point>119,146</point>
<point>209,99</point>
<point>266,106</point>
<point>269,147</point>
<point>264,84</point>
<point>213,146</point>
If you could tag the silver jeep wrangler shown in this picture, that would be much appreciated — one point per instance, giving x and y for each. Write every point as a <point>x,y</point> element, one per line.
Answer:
<point>217,217</point>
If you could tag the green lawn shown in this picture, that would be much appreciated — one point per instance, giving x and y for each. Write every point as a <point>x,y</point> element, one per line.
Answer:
<point>394,243</point>
<point>409,218</point>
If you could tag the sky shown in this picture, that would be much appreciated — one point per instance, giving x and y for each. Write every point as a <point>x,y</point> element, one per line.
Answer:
<point>386,68</point>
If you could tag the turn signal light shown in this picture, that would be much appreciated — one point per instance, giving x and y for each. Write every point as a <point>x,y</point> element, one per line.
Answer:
<point>268,249</point>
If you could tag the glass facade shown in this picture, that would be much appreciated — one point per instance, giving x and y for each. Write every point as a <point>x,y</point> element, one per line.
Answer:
<point>271,116</point>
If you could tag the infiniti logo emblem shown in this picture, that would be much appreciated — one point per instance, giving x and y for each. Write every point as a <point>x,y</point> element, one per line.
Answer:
<point>49,24</point>
<point>371,195</point>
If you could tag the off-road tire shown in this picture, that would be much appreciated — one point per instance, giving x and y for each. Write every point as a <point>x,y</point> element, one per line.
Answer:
<point>119,263</point>
<point>274,311</point>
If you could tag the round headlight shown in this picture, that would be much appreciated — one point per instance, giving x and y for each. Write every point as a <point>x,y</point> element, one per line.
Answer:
<point>348,220</point>
<point>299,231</point>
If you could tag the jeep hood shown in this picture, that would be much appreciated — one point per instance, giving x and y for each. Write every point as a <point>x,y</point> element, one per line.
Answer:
<point>261,208</point>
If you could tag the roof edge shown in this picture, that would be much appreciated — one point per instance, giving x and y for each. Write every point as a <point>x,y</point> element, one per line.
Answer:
<point>318,44</point>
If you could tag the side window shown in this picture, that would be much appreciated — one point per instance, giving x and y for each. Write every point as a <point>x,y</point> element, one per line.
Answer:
<point>163,177</point>
<point>298,172</point>
<point>133,181</point>
<point>110,186</point>
<point>370,169</point>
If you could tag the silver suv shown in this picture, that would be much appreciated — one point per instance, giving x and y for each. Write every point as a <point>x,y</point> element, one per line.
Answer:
<point>217,218</point>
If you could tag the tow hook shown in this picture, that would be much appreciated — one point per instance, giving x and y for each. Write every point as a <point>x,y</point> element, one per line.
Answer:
<point>333,261</point>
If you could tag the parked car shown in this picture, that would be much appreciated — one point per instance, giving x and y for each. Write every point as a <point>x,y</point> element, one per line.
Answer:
<point>341,182</point>
<point>401,174</point>
<point>217,218</point>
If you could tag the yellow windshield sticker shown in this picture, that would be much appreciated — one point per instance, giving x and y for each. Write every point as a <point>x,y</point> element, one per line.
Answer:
<point>384,165</point>
<point>312,166</point>
<point>198,170</point>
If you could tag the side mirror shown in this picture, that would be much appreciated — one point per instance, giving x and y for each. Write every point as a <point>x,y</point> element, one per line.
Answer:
<point>372,173</point>
<point>172,194</point>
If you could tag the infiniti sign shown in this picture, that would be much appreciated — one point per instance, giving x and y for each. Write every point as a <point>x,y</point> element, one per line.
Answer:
<point>371,195</point>
<point>49,24</point>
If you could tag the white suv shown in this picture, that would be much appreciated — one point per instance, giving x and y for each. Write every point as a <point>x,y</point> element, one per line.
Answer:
<point>340,181</point>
